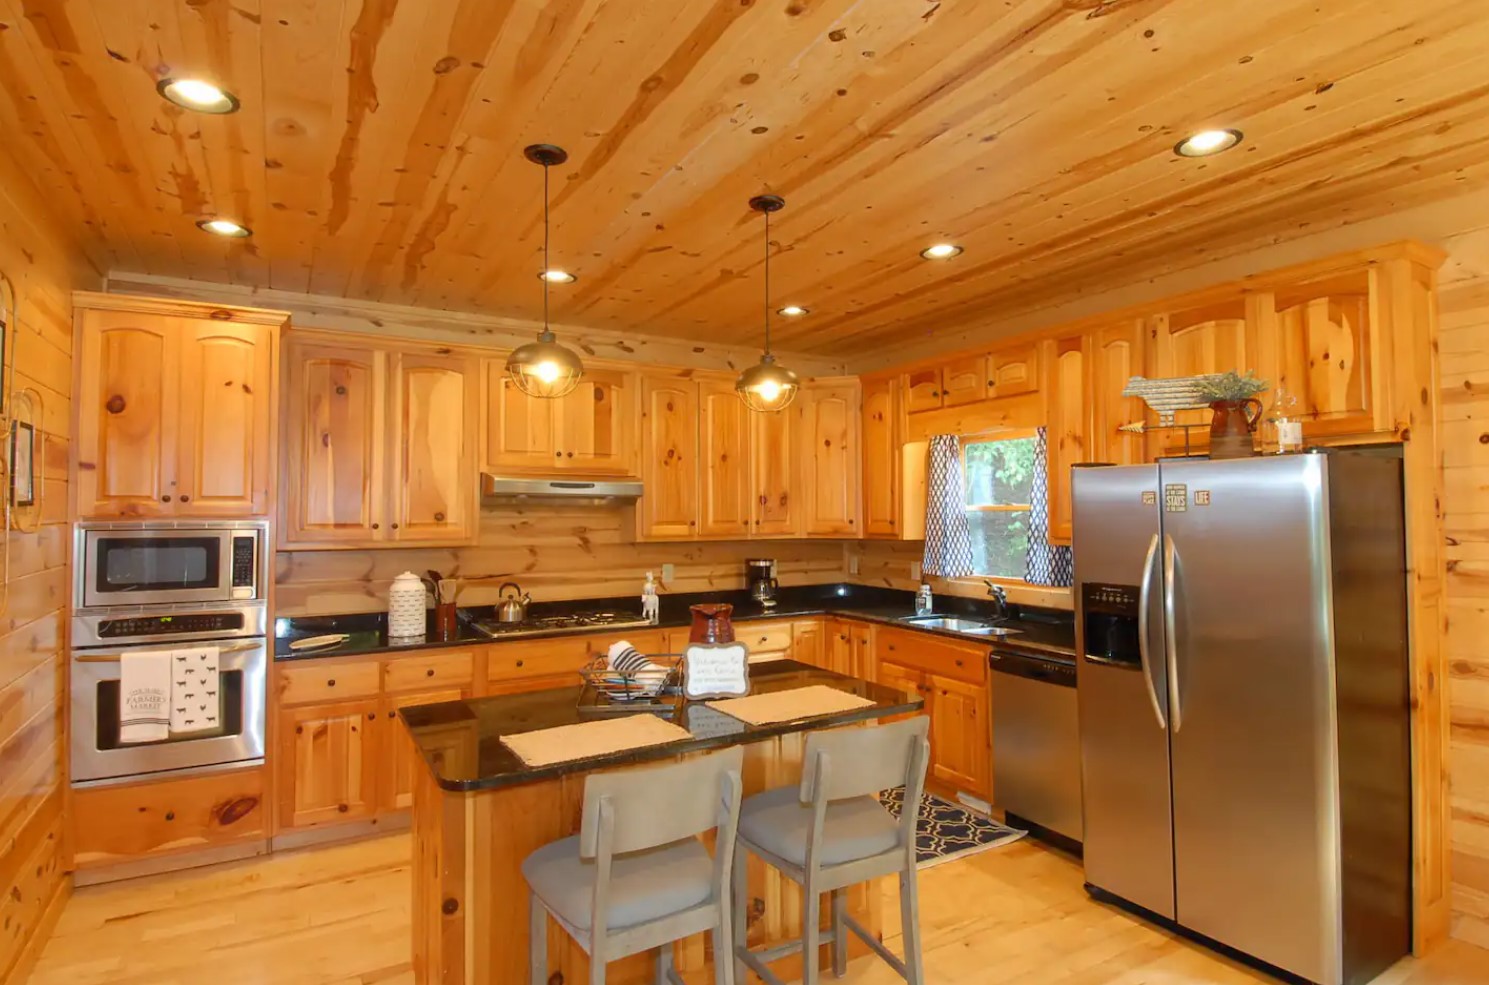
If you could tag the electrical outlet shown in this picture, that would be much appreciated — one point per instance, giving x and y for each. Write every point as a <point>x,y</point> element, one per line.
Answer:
<point>914,571</point>
<point>853,564</point>
<point>667,572</point>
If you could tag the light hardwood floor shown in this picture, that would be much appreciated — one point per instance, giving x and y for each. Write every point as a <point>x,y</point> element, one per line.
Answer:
<point>339,916</point>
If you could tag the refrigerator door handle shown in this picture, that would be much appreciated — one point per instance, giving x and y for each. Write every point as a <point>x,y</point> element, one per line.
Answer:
<point>1170,636</point>
<point>1145,589</point>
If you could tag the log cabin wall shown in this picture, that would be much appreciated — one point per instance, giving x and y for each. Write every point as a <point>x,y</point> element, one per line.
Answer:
<point>45,267</point>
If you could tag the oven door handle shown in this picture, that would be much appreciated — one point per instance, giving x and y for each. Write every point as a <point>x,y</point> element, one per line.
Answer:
<point>113,658</point>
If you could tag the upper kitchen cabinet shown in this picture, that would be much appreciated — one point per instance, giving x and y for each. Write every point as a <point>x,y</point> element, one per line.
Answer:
<point>1068,414</point>
<point>724,500</point>
<point>588,432</point>
<point>1320,347</point>
<point>881,438</point>
<point>175,408</point>
<point>923,390</point>
<point>379,445</point>
<point>668,507</point>
<point>1117,355</point>
<point>1214,338</point>
<point>1014,371</point>
<point>830,459</point>
<point>964,381</point>
<point>776,488</point>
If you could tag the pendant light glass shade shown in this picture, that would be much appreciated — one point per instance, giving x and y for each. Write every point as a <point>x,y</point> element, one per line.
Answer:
<point>544,368</point>
<point>767,386</point>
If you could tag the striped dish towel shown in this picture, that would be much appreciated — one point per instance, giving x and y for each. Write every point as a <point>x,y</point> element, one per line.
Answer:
<point>144,696</point>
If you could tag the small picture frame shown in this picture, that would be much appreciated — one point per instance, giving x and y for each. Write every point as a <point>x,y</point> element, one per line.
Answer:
<point>22,464</point>
<point>716,670</point>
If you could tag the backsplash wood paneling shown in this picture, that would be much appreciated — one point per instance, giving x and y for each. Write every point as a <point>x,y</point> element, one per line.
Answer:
<point>554,552</point>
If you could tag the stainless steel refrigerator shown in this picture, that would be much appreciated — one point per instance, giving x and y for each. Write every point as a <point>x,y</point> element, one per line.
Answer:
<point>1244,714</point>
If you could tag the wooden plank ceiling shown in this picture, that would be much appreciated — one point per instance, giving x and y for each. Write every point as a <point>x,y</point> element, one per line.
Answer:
<point>377,152</point>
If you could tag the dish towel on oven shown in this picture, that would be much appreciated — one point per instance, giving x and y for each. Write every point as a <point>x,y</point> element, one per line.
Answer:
<point>194,683</point>
<point>144,696</point>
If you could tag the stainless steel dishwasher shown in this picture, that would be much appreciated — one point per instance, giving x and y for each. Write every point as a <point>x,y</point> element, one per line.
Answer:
<point>1036,737</point>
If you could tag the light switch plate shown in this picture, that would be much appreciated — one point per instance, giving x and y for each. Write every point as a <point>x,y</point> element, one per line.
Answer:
<point>667,572</point>
<point>852,564</point>
<point>915,571</point>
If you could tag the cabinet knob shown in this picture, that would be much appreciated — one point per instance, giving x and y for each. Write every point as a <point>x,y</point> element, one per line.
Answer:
<point>519,663</point>
<point>958,663</point>
<point>392,714</point>
<point>341,391</point>
<point>165,499</point>
<point>935,393</point>
<point>331,682</point>
<point>299,730</point>
<point>371,716</point>
<point>558,454</point>
<point>430,671</point>
<point>571,454</point>
<point>341,808</point>
<point>439,518</point>
<point>395,526</point>
<point>185,498</point>
<point>170,815</point>
<point>374,526</point>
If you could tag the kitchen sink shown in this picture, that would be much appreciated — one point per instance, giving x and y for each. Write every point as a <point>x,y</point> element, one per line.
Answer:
<point>956,624</point>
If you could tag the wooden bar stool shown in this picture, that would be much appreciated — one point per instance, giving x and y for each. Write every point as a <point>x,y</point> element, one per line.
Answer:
<point>832,833</point>
<point>636,877</point>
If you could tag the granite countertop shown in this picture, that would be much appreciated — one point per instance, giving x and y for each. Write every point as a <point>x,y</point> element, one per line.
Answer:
<point>461,740</point>
<point>1046,629</point>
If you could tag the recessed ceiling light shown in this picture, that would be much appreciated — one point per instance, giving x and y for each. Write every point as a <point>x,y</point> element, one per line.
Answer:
<point>224,227</point>
<point>1207,142</point>
<point>204,97</point>
<point>793,311</point>
<point>558,277</point>
<point>941,251</point>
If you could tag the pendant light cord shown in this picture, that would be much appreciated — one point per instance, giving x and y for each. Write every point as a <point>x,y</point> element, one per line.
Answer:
<point>767,283</point>
<point>546,266</point>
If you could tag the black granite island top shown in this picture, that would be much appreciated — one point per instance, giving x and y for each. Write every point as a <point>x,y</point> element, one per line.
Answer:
<point>461,740</point>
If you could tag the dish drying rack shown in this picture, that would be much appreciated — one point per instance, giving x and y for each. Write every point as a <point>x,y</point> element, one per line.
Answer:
<point>608,690</point>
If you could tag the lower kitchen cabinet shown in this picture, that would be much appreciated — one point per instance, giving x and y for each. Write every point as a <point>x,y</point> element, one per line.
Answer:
<point>328,762</point>
<point>850,648</point>
<point>402,759</point>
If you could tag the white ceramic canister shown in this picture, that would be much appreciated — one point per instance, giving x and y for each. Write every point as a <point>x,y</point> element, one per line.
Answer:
<point>406,607</point>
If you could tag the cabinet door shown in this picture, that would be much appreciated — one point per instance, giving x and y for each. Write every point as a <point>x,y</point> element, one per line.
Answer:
<point>224,450</point>
<point>1014,371</point>
<point>923,390</point>
<point>808,643</point>
<point>724,451</point>
<point>881,460</point>
<point>1069,427</point>
<point>865,662</point>
<point>127,397</point>
<point>334,447</point>
<point>668,507</point>
<point>1116,357</point>
<point>597,425</point>
<point>328,763</point>
<point>1212,339</point>
<point>829,460</point>
<point>902,678</point>
<point>961,756</point>
<point>964,381</point>
<point>775,439</point>
<point>521,431</point>
<point>401,759</point>
<point>434,465</point>
<point>1321,353</point>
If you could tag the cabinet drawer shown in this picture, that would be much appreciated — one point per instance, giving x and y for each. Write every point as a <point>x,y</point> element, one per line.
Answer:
<point>562,658</point>
<point>935,654</point>
<point>430,669</point>
<point>764,637</point>
<point>321,681</point>
<point>125,823</point>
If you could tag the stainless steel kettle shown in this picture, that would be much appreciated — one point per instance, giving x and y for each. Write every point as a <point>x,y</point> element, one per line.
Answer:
<point>512,608</point>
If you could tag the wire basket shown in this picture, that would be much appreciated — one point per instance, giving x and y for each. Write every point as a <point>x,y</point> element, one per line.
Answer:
<point>636,689</point>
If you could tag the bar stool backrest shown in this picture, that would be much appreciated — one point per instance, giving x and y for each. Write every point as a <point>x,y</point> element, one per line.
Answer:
<point>866,761</point>
<point>647,808</point>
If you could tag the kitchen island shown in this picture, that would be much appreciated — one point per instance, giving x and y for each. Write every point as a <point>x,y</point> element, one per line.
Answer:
<point>479,811</point>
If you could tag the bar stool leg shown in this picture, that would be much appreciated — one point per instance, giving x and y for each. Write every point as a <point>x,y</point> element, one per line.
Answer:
<point>664,965</point>
<point>839,933</point>
<point>723,938</point>
<point>740,916</point>
<point>537,948</point>
<point>910,927</point>
<point>811,930</point>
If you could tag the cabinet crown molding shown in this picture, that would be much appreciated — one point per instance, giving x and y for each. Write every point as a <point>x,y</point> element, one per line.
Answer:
<point>94,300</point>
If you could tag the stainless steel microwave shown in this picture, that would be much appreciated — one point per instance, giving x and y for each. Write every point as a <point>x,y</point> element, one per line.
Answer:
<point>170,562</point>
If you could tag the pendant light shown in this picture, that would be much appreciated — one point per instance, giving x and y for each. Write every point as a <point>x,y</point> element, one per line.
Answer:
<point>767,386</point>
<point>544,368</point>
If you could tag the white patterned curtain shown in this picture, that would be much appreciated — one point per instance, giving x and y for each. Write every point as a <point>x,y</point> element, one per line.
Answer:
<point>948,541</point>
<point>1045,564</point>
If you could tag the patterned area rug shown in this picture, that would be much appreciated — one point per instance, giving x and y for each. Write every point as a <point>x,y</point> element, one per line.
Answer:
<point>948,831</point>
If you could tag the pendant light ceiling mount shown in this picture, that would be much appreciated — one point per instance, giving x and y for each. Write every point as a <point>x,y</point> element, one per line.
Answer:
<point>767,386</point>
<point>544,368</point>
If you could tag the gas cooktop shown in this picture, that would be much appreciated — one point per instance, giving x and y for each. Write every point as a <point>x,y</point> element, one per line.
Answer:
<point>573,622</point>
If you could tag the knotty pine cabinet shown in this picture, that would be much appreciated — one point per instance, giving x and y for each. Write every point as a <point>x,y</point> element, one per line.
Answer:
<point>176,404</point>
<point>588,432</point>
<point>830,459</point>
<point>725,432</point>
<point>881,437</point>
<point>668,508</point>
<point>380,445</point>
<point>1068,422</point>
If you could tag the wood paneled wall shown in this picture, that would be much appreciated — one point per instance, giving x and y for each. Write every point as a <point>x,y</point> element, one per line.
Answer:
<point>45,267</point>
<point>554,552</point>
<point>1464,347</point>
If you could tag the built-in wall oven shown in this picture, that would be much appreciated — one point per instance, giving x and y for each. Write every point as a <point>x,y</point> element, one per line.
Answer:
<point>158,586</point>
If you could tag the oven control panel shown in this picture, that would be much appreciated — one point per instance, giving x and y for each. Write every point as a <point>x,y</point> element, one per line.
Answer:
<point>192,622</point>
<point>245,566</point>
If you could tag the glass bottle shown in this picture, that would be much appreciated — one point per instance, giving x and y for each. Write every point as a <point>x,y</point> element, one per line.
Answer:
<point>1287,421</point>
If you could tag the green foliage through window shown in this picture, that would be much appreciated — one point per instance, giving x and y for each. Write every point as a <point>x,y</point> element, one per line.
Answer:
<point>999,475</point>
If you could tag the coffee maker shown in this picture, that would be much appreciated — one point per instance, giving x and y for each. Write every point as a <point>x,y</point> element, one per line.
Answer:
<point>760,579</point>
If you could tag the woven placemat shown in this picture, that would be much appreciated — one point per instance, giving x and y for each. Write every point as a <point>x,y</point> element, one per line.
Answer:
<point>790,706</point>
<point>566,743</point>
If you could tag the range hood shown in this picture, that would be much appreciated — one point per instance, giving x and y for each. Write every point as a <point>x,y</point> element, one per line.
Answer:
<point>500,488</point>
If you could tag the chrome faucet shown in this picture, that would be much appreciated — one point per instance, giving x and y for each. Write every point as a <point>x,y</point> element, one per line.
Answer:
<point>999,595</point>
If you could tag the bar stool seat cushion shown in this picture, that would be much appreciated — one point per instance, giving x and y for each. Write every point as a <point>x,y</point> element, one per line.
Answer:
<point>855,828</point>
<point>644,886</point>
